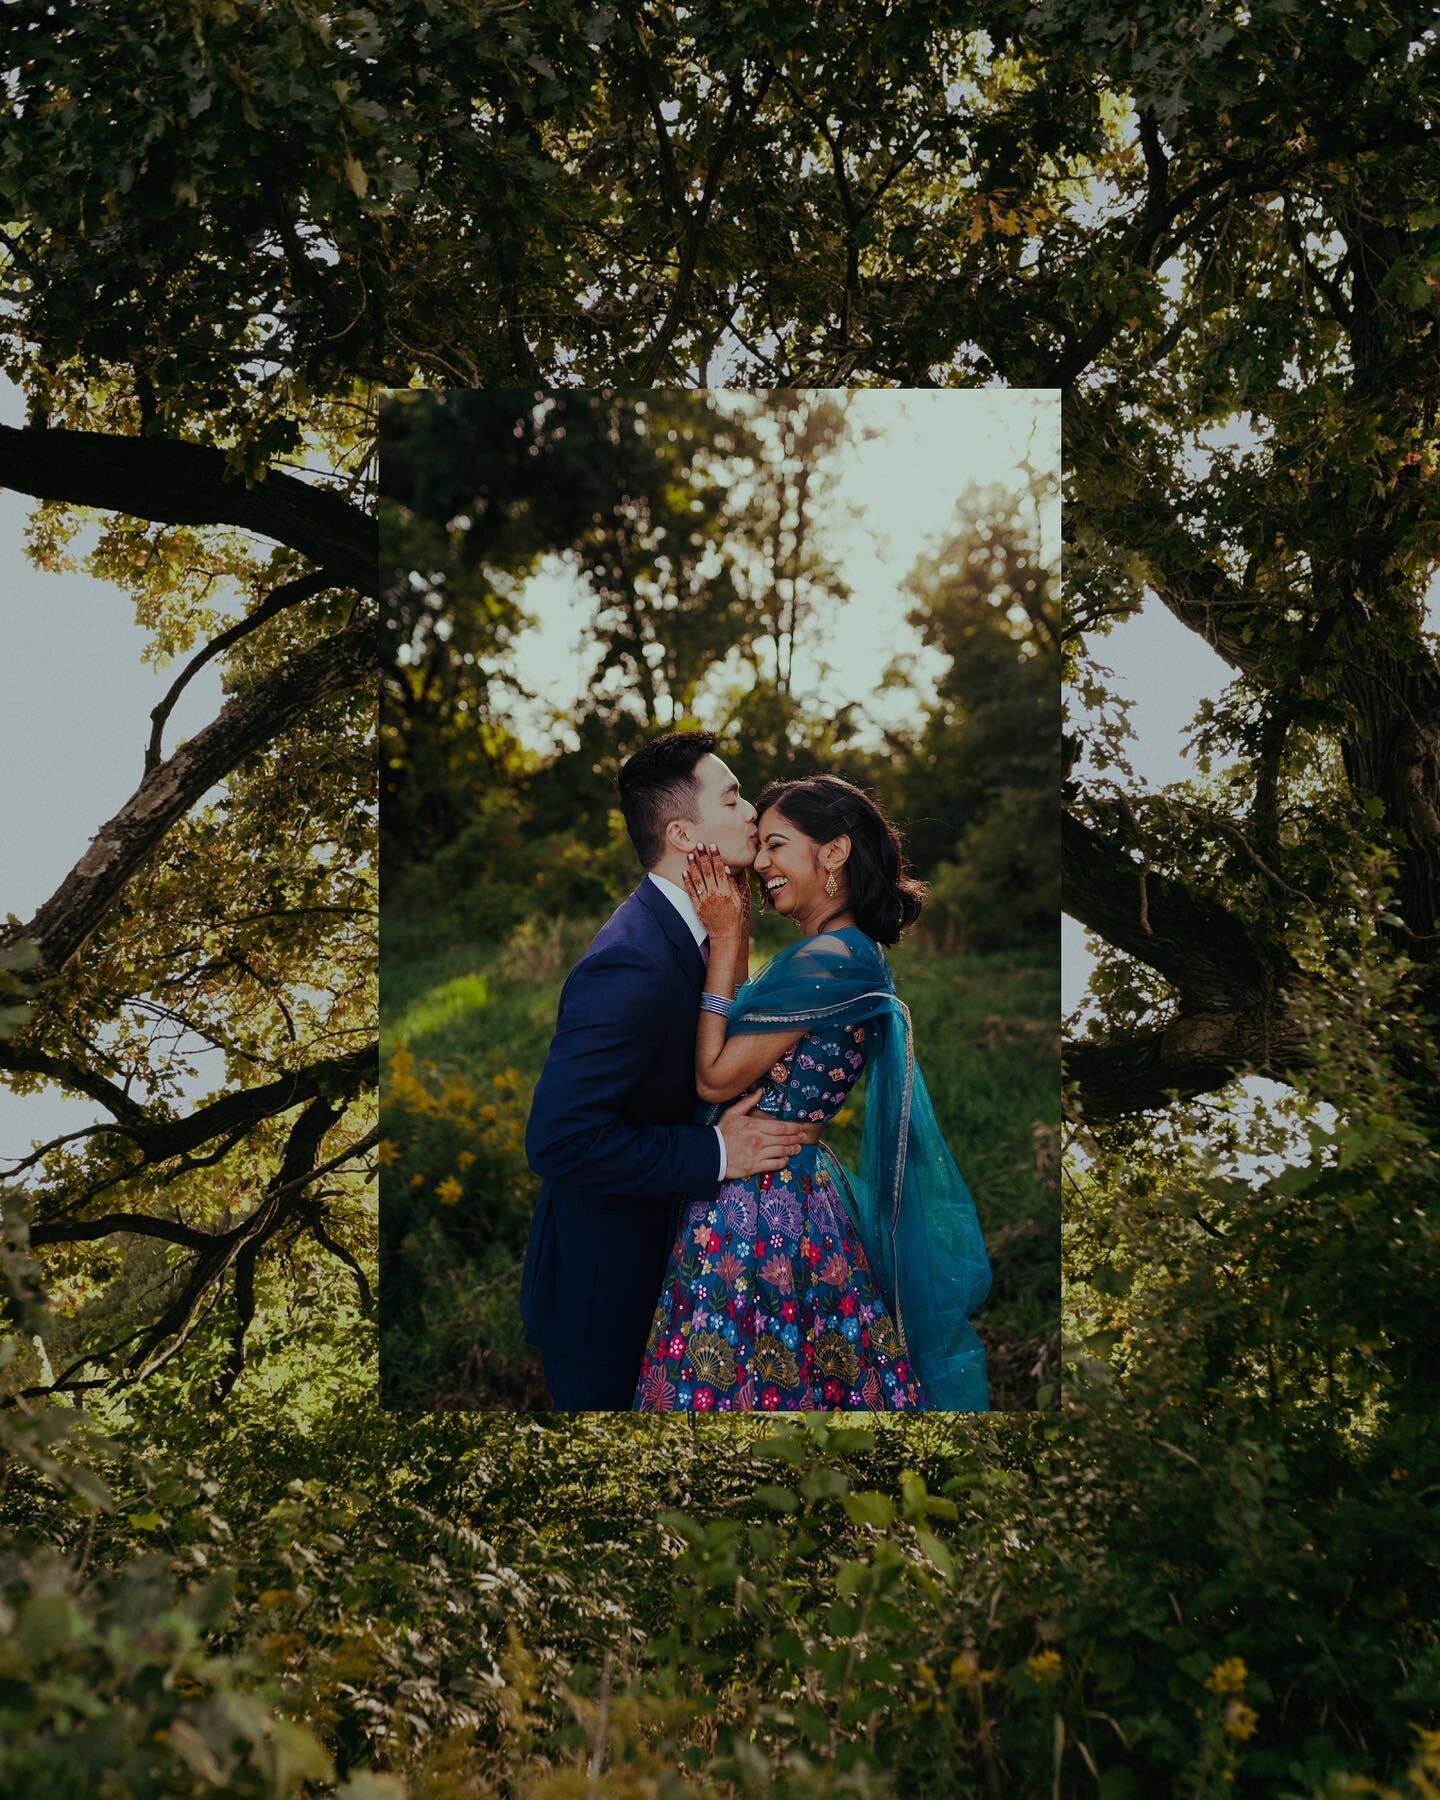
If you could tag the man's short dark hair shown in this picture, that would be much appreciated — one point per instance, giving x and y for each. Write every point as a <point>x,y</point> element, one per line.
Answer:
<point>658,784</point>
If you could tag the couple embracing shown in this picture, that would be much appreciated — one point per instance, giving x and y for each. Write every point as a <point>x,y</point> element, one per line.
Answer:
<point>695,1251</point>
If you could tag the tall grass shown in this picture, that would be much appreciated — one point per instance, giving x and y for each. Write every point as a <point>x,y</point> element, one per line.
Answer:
<point>465,1028</point>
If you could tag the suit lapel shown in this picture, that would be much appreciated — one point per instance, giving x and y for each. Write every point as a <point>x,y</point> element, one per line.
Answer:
<point>686,950</point>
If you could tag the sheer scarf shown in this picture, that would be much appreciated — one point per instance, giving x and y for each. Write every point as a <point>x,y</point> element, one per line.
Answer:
<point>909,1201</point>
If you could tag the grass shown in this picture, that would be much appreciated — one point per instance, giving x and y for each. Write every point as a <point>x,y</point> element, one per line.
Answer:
<point>471,1027</point>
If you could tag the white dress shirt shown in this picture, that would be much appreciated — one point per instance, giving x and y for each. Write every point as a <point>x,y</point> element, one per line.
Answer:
<point>685,906</point>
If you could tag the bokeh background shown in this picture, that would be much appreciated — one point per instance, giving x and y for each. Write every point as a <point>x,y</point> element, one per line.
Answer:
<point>860,582</point>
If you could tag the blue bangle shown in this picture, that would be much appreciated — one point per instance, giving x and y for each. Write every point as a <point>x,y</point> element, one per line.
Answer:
<point>713,1003</point>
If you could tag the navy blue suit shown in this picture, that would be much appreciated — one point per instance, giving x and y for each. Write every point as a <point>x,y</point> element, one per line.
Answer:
<point>612,1137</point>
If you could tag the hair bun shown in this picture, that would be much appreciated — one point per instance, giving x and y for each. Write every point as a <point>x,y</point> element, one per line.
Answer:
<point>909,893</point>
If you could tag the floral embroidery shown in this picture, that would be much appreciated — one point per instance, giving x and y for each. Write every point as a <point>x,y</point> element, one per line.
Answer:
<point>809,1328</point>
<point>737,1208</point>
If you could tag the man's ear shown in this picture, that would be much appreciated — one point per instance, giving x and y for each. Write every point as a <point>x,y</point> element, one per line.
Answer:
<point>679,836</point>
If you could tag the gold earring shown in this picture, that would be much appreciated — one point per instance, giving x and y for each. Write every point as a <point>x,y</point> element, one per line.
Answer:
<point>830,887</point>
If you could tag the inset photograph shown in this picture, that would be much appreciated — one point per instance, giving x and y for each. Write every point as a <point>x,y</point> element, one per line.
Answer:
<point>720,740</point>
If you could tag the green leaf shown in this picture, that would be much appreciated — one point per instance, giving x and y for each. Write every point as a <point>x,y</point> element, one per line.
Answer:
<point>851,1577</point>
<point>813,1725</point>
<point>870,1508</point>
<point>297,1756</point>
<point>782,1446</point>
<point>13,1018</point>
<point>88,1485</point>
<point>370,1784</point>
<point>598,25</point>
<point>937,1551</point>
<point>47,1623</point>
<point>196,1754</point>
<point>778,1499</point>
<point>824,1484</point>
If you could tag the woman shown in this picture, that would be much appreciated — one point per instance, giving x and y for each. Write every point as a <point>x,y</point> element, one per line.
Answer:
<point>815,1287</point>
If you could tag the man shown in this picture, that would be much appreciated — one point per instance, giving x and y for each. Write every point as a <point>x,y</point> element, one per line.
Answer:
<point>610,1130</point>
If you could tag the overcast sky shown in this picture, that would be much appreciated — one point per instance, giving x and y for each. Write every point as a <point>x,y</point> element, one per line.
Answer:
<point>1165,671</point>
<point>73,727</point>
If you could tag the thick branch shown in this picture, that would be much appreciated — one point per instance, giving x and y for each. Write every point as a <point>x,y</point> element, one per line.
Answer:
<point>1143,1071</point>
<point>239,1249</point>
<point>22,1060</point>
<point>247,723</point>
<point>336,1075</point>
<point>177,483</point>
<point>84,1231</point>
<point>1195,944</point>
<point>1234,990</point>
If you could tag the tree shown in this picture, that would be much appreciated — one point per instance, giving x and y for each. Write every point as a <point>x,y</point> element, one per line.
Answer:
<point>976,782</point>
<point>790,197</point>
<point>796,587</point>
<point>1304,304</point>
<point>655,549</point>
<point>174,931</point>
<point>479,488</point>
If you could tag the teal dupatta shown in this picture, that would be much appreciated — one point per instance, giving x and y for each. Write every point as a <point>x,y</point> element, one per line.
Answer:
<point>909,1201</point>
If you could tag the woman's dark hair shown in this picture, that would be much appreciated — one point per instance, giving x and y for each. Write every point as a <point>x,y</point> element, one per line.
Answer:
<point>883,896</point>
<point>658,784</point>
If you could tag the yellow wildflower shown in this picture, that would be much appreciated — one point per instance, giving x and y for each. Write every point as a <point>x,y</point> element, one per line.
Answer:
<point>386,1153</point>
<point>1240,1720</point>
<point>1227,1677</point>
<point>1427,1742</point>
<point>449,1190</point>
<point>1045,1665</point>
<point>966,1668</point>
<point>465,1158</point>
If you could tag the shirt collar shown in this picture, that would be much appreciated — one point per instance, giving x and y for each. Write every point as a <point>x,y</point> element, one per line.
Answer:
<point>682,903</point>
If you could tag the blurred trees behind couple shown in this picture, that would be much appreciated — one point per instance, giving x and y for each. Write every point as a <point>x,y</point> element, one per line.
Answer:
<point>707,543</point>
<point>698,525</point>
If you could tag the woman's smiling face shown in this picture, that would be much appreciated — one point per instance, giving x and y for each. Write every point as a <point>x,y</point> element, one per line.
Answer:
<point>787,864</point>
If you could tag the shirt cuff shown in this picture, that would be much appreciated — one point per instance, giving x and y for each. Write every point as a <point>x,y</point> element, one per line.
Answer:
<point>719,1134</point>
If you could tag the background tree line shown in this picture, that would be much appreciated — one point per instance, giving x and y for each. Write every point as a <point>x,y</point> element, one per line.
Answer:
<point>699,530</point>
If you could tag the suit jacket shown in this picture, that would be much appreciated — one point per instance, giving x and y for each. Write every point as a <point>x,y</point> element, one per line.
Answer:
<point>611,1136</point>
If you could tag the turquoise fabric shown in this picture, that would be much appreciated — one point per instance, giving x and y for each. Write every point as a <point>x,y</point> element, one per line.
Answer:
<point>910,1204</point>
